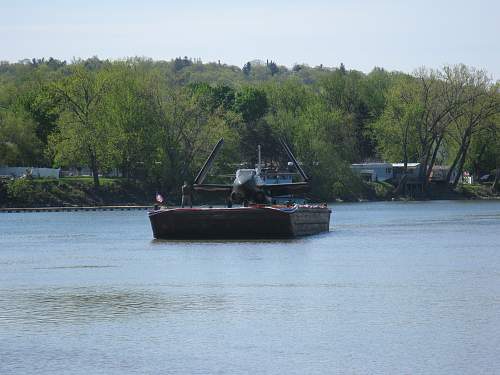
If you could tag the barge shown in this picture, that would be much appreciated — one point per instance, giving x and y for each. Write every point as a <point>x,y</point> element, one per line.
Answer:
<point>253,222</point>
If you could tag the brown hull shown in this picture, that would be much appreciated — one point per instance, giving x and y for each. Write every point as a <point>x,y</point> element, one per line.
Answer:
<point>236,223</point>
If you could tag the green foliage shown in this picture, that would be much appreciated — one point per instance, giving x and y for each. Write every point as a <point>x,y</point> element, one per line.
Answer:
<point>19,144</point>
<point>435,116</point>
<point>72,191</point>
<point>251,103</point>
<point>218,97</point>
<point>42,110</point>
<point>273,68</point>
<point>383,190</point>
<point>247,68</point>
<point>395,130</point>
<point>84,136</point>
<point>20,189</point>
<point>180,63</point>
<point>156,121</point>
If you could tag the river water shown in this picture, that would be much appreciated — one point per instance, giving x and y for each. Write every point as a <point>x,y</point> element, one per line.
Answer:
<point>394,288</point>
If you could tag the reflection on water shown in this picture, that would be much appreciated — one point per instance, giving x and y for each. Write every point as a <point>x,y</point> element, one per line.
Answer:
<point>82,305</point>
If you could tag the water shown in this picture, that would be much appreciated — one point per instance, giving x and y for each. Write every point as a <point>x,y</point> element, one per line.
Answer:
<point>395,288</point>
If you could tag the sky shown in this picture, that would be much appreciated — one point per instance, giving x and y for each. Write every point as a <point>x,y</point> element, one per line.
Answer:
<point>362,34</point>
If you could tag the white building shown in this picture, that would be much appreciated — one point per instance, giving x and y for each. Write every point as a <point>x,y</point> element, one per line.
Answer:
<point>412,174</point>
<point>373,171</point>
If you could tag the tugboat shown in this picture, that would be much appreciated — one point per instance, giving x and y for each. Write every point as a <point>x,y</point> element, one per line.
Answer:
<point>259,218</point>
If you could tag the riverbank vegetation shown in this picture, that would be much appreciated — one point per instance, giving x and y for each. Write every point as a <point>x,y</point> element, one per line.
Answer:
<point>71,191</point>
<point>156,121</point>
<point>75,192</point>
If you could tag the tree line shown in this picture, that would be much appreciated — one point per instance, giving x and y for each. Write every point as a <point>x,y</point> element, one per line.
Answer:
<point>156,121</point>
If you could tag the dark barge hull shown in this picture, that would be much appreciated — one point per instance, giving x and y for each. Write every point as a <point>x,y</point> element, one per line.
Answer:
<point>239,223</point>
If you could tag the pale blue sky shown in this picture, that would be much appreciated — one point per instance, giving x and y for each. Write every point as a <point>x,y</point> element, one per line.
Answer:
<point>396,35</point>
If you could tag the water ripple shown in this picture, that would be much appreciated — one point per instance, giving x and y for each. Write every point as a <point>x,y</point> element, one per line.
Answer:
<point>82,305</point>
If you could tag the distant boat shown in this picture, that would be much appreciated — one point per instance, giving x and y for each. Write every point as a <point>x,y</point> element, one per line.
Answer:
<point>253,222</point>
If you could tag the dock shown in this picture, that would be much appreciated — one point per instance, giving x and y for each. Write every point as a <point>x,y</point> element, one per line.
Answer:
<point>73,209</point>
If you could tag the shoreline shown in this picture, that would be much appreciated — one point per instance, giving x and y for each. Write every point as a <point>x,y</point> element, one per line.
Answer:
<point>79,195</point>
<point>74,209</point>
<point>402,199</point>
<point>133,207</point>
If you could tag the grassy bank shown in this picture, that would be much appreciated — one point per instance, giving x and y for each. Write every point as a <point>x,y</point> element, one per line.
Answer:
<point>71,191</point>
<point>383,191</point>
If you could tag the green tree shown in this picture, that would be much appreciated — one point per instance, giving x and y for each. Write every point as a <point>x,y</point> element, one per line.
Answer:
<point>273,68</point>
<point>247,69</point>
<point>396,129</point>
<point>131,112</point>
<point>482,102</point>
<point>251,103</point>
<point>19,145</point>
<point>342,68</point>
<point>83,136</point>
<point>42,108</point>
<point>351,93</point>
